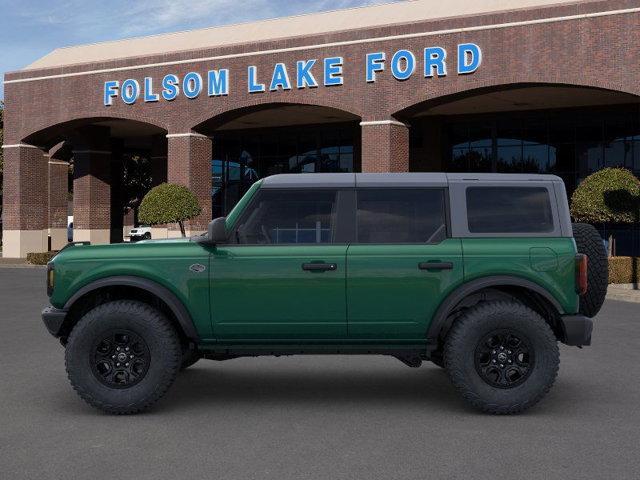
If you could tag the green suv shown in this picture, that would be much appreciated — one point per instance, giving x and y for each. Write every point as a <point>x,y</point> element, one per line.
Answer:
<point>480,274</point>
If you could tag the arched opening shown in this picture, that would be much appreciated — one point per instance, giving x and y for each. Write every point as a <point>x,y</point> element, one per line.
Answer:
<point>110,163</point>
<point>258,141</point>
<point>558,129</point>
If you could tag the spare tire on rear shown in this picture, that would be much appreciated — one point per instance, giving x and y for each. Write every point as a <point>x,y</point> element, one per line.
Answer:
<point>589,242</point>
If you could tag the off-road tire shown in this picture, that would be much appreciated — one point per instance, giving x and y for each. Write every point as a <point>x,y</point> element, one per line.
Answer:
<point>589,242</point>
<point>469,331</point>
<point>189,357</point>
<point>148,324</point>
<point>437,359</point>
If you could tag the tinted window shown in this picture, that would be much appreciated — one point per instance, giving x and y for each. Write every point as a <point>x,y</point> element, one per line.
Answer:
<point>401,216</point>
<point>289,216</point>
<point>509,210</point>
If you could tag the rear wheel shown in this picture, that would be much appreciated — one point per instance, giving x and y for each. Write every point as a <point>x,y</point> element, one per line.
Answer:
<point>122,356</point>
<point>589,243</point>
<point>502,357</point>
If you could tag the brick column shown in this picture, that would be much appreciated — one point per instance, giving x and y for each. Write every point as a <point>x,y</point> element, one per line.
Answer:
<point>385,146</point>
<point>92,196</point>
<point>92,185</point>
<point>25,200</point>
<point>189,164</point>
<point>58,191</point>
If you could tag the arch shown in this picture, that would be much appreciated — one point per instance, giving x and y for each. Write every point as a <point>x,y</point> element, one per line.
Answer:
<point>457,93</point>
<point>212,122</point>
<point>47,136</point>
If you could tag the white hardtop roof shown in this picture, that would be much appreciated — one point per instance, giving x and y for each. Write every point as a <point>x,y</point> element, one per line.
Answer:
<point>286,27</point>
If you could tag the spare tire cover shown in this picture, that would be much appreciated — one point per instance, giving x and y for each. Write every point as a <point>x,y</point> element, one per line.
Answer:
<point>589,242</point>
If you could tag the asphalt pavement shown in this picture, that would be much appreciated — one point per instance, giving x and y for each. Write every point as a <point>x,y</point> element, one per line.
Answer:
<point>314,417</point>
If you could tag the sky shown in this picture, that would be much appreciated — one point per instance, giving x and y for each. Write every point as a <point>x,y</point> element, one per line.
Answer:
<point>29,29</point>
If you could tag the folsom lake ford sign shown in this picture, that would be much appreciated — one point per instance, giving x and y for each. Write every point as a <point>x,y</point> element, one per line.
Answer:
<point>309,73</point>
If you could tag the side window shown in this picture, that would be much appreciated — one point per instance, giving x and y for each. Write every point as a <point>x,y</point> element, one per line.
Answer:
<point>401,215</point>
<point>509,210</point>
<point>289,216</point>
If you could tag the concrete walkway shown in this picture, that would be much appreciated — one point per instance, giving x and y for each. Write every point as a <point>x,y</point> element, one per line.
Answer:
<point>17,263</point>
<point>626,292</point>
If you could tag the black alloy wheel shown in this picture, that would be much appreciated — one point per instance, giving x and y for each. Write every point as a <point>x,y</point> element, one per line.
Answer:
<point>120,359</point>
<point>504,358</point>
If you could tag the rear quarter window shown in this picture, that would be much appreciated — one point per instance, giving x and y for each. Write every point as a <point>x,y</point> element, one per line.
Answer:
<point>509,210</point>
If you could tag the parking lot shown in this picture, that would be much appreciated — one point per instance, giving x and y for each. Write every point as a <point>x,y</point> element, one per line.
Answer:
<point>314,417</point>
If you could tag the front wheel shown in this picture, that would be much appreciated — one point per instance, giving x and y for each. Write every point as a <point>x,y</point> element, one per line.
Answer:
<point>122,356</point>
<point>502,357</point>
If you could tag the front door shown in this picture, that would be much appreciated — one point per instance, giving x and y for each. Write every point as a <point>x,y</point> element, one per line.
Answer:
<point>402,264</point>
<point>284,276</point>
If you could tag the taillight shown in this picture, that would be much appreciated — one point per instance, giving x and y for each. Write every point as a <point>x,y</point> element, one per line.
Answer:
<point>582,262</point>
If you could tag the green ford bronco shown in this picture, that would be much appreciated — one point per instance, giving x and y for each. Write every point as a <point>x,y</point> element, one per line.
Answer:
<point>482,274</point>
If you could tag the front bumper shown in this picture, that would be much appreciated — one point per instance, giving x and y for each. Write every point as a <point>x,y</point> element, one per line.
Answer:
<point>53,319</point>
<point>577,330</point>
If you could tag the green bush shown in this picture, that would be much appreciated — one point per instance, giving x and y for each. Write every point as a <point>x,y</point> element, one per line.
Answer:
<point>169,203</point>
<point>621,270</point>
<point>41,258</point>
<point>609,195</point>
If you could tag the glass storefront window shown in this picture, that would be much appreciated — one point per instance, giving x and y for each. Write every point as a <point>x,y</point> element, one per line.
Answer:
<point>241,157</point>
<point>571,143</point>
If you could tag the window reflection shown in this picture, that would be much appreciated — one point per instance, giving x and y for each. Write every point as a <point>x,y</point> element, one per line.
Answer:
<point>571,143</point>
<point>242,157</point>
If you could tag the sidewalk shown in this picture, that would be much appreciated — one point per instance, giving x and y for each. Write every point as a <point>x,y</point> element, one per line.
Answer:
<point>626,292</point>
<point>17,263</point>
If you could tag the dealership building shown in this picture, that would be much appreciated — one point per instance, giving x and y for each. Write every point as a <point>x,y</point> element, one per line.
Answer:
<point>545,86</point>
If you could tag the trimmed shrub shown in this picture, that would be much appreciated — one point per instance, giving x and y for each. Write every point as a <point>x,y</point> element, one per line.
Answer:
<point>621,270</point>
<point>611,195</point>
<point>169,203</point>
<point>41,258</point>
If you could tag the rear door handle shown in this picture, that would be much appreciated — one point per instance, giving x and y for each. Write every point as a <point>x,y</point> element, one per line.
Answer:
<point>319,267</point>
<point>435,265</point>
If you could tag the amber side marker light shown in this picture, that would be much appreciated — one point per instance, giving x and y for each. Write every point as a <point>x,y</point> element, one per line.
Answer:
<point>50,279</point>
<point>582,265</point>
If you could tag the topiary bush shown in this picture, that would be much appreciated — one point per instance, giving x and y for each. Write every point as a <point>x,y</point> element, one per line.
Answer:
<point>610,195</point>
<point>169,203</point>
<point>624,270</point>
<point>41,258</point>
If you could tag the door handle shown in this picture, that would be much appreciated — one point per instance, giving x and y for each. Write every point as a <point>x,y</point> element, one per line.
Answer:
<point>435,265</point>
<point>319,267</point>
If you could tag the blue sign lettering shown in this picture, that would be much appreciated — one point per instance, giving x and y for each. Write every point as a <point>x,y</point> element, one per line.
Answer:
<point>469,58</point>
<point>280,78</point>
<point>215,82</point>
<point>304,76</point>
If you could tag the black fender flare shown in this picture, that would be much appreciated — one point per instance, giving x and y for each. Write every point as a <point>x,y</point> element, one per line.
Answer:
<point>175,305</point>
<point>469,288</point>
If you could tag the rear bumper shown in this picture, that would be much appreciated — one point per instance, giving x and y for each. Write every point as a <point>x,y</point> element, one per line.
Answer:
<point>53,319</point>
<point>577,330</point>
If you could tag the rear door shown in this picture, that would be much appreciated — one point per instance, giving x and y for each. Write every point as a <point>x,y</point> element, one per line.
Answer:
<point>402,263</point>
<point>285,276</point>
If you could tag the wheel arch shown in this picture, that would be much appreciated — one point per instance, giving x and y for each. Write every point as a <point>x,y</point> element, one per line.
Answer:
<point>136,287</point>
<point>508,285</point>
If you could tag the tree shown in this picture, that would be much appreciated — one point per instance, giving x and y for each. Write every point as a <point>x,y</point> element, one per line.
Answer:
<point>611,195</point>
<point>136,182</point>
<point>169,203</point>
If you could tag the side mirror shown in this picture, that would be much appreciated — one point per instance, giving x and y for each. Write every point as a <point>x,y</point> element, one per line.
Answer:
<point>217,230</point>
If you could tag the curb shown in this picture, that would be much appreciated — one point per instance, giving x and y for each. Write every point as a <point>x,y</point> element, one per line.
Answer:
<point>20,265</point>
<point>632,296</point>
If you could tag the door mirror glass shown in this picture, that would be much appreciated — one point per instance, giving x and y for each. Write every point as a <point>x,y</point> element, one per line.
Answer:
<point>217,231</point>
